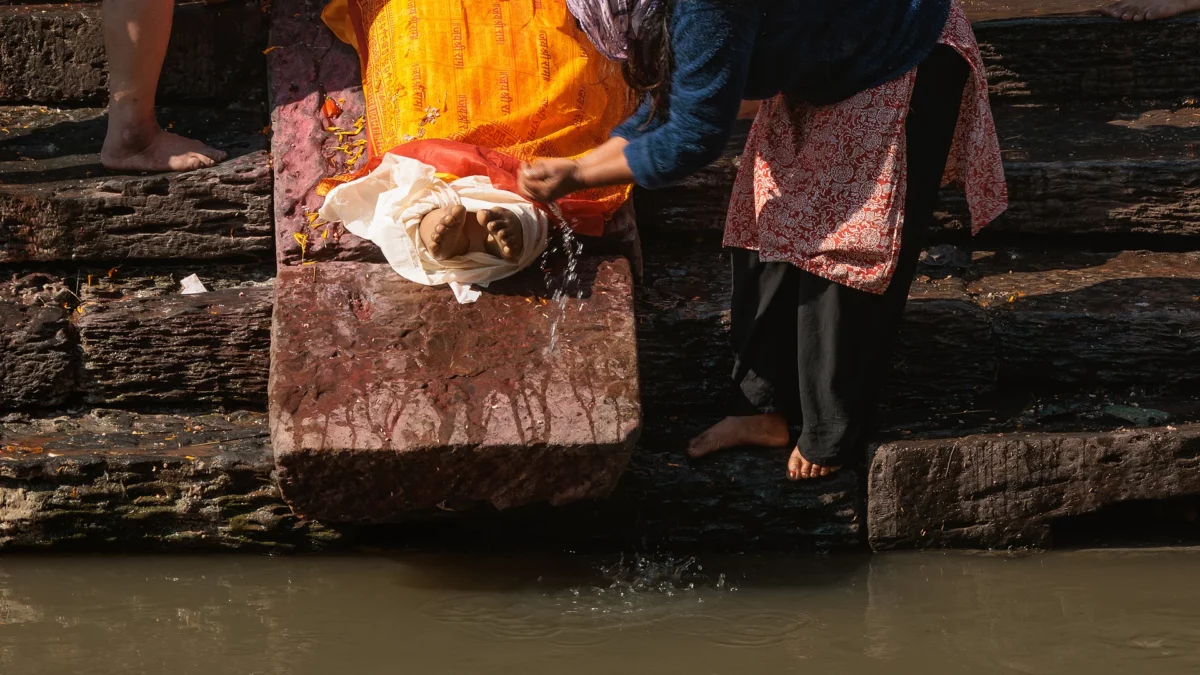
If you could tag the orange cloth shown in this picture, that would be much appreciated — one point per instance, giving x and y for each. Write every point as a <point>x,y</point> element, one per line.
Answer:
<point>516,76</point>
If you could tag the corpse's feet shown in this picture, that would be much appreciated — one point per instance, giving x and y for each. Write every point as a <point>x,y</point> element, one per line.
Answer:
<point>802,469</point>
<point>506,238</point>
<point>1148,10</point>
<point>445,232</point>
<point>767,431</point>
<point>153,149</point>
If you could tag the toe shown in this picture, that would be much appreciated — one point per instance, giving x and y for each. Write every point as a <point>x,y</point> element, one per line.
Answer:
<point>795,466</point>
<point>213,153</point>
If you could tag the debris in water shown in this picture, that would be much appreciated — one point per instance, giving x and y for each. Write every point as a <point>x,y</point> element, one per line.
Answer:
<point>191,285</point>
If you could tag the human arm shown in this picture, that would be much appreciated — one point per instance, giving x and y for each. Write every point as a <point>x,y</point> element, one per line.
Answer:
<point>712,43</point>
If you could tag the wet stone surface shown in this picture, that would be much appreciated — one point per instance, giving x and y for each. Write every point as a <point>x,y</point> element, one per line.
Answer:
<point>388,397</point>
<point>113,479</point>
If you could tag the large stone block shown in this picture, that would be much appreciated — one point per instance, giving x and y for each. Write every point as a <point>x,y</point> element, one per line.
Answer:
<point>54,53</point>
<point>58,203</point>
<point>1003,490</point>
<point>207,347</point>
<point>388,397</point>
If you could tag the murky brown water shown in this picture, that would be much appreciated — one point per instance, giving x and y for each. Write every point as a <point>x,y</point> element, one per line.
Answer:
<point>1124,613</point>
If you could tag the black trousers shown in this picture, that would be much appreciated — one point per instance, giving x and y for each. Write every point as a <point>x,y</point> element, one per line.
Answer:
<point>816,351</point>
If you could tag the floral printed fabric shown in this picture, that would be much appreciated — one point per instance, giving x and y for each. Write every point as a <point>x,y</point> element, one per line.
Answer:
<point>822,187</point>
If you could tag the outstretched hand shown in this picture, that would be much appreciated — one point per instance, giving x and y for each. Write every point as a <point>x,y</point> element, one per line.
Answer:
<point>548,180</point>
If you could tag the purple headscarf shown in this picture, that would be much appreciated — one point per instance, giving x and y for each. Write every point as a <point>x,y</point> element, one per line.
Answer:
<point>608,22</point>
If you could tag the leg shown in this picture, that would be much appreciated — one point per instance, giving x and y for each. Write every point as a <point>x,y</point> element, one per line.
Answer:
<point>444,232</point>
<point>135,36</point>
<point>846,336</point>
<point>762,338</point>
<point>505,236</point>
<point>1148,10</point>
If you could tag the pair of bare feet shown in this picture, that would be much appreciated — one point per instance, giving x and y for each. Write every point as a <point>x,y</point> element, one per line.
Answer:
<point>456,231</point>
<point>1148,10</point>
<point>764,431</point>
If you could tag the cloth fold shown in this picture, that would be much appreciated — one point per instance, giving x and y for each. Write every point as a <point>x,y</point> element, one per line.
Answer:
<point>386,207</point>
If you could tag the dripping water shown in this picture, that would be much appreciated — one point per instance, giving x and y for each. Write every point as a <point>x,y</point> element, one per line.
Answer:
<point>561,287</point>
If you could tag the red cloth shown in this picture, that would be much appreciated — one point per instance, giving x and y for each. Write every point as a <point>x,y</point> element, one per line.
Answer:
<point>585,217</point>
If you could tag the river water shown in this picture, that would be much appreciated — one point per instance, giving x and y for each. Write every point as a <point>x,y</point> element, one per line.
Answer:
<point>1096,612</point>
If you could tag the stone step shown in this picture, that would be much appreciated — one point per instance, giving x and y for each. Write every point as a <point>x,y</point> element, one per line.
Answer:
<point>1009,321</point>
<point>54,53</point>
<point>388,397</point>
<point>1118,170</point>
<point>110,480</point>
<point>57,203</point>
<point>1045,59</point>
<point>132,339</point>
<point>1005,490</point>
<point>1121,168</point>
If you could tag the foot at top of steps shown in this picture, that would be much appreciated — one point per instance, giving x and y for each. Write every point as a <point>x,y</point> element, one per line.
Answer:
<point>57,203</point>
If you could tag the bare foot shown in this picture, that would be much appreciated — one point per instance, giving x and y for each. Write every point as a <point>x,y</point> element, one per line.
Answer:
<point>156,150</point>
<point>505,236</point>
<point>1148,10</point>
<point>445,232</point>
<point>802,469</point>
<point>767,431</point>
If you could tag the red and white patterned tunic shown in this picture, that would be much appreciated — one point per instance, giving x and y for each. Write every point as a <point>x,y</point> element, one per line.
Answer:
<point>822,187</point>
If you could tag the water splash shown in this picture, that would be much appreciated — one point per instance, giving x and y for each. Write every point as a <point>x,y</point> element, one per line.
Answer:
<point>565,286</point>
<point>637,584</point>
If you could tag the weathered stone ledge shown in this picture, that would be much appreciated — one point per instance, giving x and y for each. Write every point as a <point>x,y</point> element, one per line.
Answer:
<point>1024,320</point>
<point>388,397</point>
<point>1004,490</point>
<point>54,53</point>
<point>113,480</point>
<point>57,203</point>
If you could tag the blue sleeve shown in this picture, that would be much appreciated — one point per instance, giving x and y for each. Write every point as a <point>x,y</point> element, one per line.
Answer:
<point>712,42</point>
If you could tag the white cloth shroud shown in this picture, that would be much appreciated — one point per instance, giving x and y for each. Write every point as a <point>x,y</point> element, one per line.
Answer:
<point>386,207</point>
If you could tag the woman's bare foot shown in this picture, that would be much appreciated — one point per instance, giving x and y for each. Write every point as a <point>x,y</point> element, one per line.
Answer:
<point>155,150</point>
<point>505,236</point>
<point>445,233</point>
<point>802,469</point>
<point>1148,10</point>
<point>767,431</point>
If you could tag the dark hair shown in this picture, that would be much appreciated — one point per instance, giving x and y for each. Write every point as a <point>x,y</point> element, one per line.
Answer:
<point>649,67</point>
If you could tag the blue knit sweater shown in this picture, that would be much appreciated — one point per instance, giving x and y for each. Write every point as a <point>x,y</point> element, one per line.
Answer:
<point>819,51</point>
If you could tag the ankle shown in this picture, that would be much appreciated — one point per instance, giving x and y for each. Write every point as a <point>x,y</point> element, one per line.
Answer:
<point>131,130</point>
